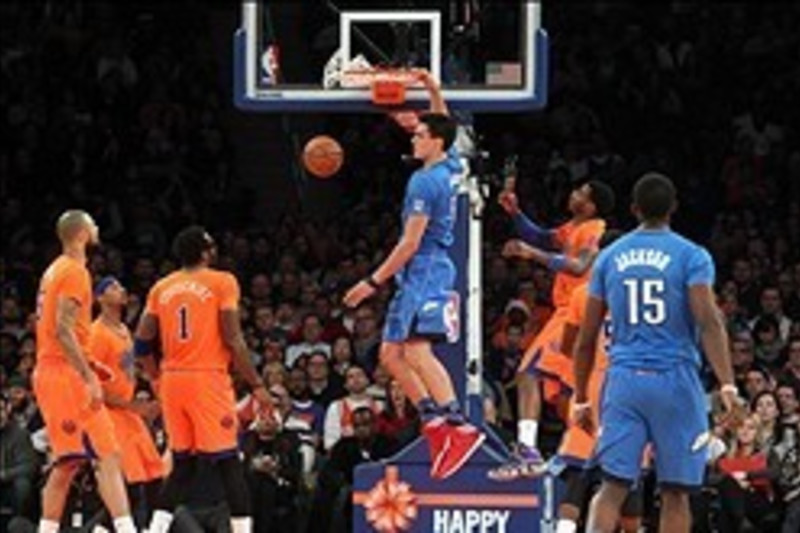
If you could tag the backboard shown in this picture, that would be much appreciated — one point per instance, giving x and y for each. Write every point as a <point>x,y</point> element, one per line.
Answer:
<point>490,55</point>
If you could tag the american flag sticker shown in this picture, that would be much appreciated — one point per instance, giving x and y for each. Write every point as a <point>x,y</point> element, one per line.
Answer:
<point>503,74</point>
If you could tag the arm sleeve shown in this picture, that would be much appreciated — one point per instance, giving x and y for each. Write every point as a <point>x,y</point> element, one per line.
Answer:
<point>229,297</point>
<point>419,196</point>
<point>596,285</point>
<point>700,268</point>
<point>532,233</point>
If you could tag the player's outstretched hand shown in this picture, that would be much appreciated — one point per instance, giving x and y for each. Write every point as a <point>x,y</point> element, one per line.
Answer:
<point>736,410</point>
<point>508,200</point>
<point>357,294</point>
<point>516,248</point>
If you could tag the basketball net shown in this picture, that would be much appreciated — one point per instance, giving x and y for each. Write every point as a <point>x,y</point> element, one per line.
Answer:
<point>388,85</point>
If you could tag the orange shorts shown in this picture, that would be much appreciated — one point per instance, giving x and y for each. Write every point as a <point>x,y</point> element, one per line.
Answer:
<point>544,359</point>
<point>141,461</point>
<point>577,446</point>
<point>199,409</point>
<point>75,428</point>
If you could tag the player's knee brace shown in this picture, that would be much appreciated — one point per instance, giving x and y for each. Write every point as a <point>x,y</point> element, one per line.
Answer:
<point>237,495</point>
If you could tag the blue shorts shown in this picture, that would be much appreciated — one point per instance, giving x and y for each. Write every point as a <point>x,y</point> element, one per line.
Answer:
<point>666,408</point>
<point>425,304</point>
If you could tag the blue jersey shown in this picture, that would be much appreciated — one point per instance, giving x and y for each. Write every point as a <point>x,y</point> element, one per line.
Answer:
<point>644,278</point>
<point>432,192</point>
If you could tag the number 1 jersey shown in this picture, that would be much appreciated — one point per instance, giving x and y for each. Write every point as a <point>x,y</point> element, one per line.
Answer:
<point>188,307</point>
<point>644,278</point>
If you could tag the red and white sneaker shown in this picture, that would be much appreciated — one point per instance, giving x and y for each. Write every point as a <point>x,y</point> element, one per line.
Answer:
<point>462,442</point>
<point>436,432</point>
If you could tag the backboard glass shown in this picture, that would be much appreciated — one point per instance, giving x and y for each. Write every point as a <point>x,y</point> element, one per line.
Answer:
<point>490,55</point>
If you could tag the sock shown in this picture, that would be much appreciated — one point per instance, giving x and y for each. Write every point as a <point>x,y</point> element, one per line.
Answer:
<point>427,409</point>
<point>124,524</point>
<point>160,522</point>
<point>527,431</point>
<point>100,529</point>
<point>48,526</point>
<point>241,524</point>
<point>452,412</point>
<point>566,526</point>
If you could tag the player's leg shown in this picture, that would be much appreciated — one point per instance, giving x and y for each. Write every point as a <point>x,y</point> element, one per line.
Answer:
<point>391,357</point>
<point>55,492</point>
<point>675,514</point>
<point>632,510</point>
<point>418,354</point>
<point>619,447</point>
<point>215,427</point>
<point>679,430</point>
<point>577,483</point>
<point>181,441</point>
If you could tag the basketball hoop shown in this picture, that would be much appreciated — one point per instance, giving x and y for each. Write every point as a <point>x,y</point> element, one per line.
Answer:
<point>387,85</point>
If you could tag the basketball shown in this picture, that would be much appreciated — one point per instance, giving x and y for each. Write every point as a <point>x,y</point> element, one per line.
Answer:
<point>323,156</point>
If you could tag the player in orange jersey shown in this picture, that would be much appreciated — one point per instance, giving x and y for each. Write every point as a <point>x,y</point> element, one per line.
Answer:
<point>195,311</point>
<point>569,251</point>
<point>67,390</point>
<point>111,352</point>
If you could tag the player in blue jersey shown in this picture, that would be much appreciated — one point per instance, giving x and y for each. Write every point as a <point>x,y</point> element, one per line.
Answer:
<point>423,308</point>
<point>657,287</point>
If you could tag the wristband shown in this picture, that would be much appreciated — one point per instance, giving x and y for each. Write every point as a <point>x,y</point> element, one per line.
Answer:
<point>369,280</point>
<point>557,262</point>
<point>729,387</point>
<point>581,406</point>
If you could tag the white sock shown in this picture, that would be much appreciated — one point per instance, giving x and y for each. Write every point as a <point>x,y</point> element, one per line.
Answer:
<point>566,526</point>
<point>124,524</point>
<point>99,529</point>
<point>241,524</point>
<point>48,526</point>
<point>160,522</point>
<point>527,431</point>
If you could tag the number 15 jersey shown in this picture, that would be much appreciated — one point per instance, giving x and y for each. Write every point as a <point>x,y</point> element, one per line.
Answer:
<point>188,306</point>
<point>644,278</point>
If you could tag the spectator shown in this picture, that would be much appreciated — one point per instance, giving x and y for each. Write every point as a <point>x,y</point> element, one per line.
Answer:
<point>366,337</point>
<point>341,355</point>
<point>23,409</point>
<point>323,385</point>
<point>18,466</point>
<point>784,462</point>
<point>742,357</point>
<point>768,345</point>
<point>339,415</point>
<point>310,341</point>
<point>757,380</point>
<point>399,420</point>
<point>791,372</point>
<point>789,403</point>
<point>771,302</point>
<point>765,405</point>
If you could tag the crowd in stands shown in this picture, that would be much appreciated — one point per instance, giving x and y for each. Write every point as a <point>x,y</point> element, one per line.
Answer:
<point>110,108</point>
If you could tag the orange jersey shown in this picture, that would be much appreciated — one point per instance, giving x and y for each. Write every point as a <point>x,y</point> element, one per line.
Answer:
<point>574,238</point>
<point>575,314</point>
<point>64,278</point>
<point>188,307</point>
<point>114,350</point>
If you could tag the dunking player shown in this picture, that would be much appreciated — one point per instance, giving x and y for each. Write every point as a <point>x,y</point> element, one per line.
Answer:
<point>575,244</point>
<point>577,444</point>
<point>67,390</point>
<point>195,311</point>
<point>657,286</point>
<point>425,274</point>
<point>111,348</point>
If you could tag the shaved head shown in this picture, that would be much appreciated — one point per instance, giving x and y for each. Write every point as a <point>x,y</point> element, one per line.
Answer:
<point>72,222</point>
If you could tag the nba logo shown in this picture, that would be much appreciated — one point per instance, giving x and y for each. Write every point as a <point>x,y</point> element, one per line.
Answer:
<point>270,65</point>
<point>452,317</point>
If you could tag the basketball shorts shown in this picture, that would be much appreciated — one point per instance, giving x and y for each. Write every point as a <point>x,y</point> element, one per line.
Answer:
<point>199,411</point>
<point>425,305</point>
<point>141,461</point>
<point>666,408</point>
<point>76,428</point>
<point>545,360</point>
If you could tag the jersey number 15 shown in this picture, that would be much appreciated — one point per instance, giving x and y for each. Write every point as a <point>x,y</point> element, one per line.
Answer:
<point>645,301</point>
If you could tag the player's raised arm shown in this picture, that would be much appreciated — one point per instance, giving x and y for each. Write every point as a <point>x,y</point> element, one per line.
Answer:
<point>432,85</point>
<point>556,262</point>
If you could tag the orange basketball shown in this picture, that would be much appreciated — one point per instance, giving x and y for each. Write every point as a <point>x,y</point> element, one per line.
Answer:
<point>323,156</point>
